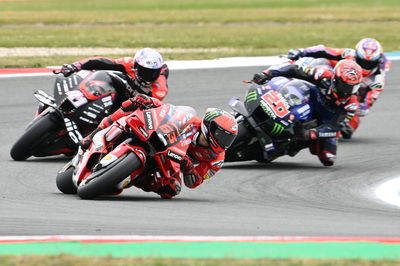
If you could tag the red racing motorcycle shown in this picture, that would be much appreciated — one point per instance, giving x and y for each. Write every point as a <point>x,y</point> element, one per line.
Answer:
<point>150,142</point>
<point>77,106</point>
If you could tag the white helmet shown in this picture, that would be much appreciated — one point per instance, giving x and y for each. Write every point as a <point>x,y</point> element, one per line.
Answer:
<point>148,64</point>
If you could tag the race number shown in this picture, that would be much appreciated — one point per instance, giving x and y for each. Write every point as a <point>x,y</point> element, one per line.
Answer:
<point>276,104</point>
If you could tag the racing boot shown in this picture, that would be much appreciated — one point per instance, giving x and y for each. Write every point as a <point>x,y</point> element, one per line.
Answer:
<point>327,153</point>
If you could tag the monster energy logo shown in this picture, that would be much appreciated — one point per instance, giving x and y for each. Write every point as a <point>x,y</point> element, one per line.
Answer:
<point>277,130</point>
<point>211,115</point>
<point>251,96</point>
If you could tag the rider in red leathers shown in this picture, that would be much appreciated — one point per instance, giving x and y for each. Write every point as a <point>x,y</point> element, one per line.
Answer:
<point>333,97</point>
<point>205,155</point>
<point>368,53</point>
<point>145,73</point>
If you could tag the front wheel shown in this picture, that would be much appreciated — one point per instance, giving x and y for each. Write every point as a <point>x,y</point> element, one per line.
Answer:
<point>64,181</point>
<point>109,178</point>
<point>32,137</point>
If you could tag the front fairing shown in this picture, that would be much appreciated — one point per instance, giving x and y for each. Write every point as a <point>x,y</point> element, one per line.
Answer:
<point>168,131</point>
<point>85,160</point>
<point>280,103</point>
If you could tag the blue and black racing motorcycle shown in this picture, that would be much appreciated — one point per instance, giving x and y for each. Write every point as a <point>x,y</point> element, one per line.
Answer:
<point>270,119</point>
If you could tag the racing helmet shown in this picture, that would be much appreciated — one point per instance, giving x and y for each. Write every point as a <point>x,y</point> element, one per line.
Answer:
<point>346,80</point>
<point>147,66</point>
<point>220,129</point>
<point>368,54</point>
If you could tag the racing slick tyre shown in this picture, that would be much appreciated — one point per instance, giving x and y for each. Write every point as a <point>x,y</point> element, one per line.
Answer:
<point>32,137</point>
<point>64,181</point>
<point>105,181</point>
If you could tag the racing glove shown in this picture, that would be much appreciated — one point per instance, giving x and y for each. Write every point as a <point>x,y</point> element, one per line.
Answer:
<point>190,178</point>
<point>295,54</point>
<point>323,76</point>
<point>362,109</point>
<point>142,101</point>
<point>261,78</point>
<point>68,69</point>
<point>187,165</point>
<point>85,143</point>
<point>376,86</point>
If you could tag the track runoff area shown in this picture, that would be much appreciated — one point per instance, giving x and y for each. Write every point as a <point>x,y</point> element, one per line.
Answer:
<point>207,246</point>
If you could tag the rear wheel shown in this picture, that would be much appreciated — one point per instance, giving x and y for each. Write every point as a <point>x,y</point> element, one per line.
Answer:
<point>64,181</point>
<point>32,137</point>
<point>110,177</point>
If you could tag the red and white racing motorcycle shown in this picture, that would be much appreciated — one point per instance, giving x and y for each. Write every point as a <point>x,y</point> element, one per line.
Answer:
<point>145,143</point>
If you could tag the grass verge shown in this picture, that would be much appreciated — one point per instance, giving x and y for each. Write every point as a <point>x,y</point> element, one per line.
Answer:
<point>78,261</point>
<point>248,28</point>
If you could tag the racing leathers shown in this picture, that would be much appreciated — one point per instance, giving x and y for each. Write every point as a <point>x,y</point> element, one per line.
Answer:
<point>372,83</point>
<point>157,89</point>
<point>329,112</point>
<point>200,162</point>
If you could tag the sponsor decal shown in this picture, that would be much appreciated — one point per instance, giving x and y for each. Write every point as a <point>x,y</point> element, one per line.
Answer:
<point>107,157</point>
<point>277,129</point>
<point>143,132</point>
<point>327,134</point>
<point>72,130</point>
<point>149,120</point>
<point>252,96</point>
<point>174,156</point>
<point>90,114</point>
<point>186,142</point>
<point>210,173</point>
<point>107,101</point>
<point>164,110</point>
<point>351,107</point>
<point>218,164</point>
<point>303,109</point>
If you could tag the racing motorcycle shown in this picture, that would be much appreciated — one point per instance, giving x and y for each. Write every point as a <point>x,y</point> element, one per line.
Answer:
<point>147,143</point>
<point>79,103</point>
<point>270,119</point>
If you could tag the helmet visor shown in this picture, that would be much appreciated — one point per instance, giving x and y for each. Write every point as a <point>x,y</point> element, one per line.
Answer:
<point>367,64</point>
<point>148,74</point>
<point>345,90</point>
<point>223,137</point>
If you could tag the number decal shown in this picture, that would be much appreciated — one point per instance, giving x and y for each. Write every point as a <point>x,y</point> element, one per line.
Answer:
<point>276,103</point>
<point>170,132</point>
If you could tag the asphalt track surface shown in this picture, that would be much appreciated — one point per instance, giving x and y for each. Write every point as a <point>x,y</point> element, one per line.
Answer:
<point>289,197</point>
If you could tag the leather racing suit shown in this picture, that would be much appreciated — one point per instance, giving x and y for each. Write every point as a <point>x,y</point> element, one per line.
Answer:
<point>202,162</point>
<point>372,84</point>
<point>322,140</point>
<point>157,89</point>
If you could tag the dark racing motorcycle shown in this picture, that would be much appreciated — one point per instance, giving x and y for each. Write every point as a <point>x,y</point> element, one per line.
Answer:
<point>79,103</point>
<point>270,119</point>
<point>144,144</point>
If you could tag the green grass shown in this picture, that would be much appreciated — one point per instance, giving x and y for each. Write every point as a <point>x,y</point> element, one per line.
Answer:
<point>249,28</point>
<point>73,5</point>
<point>229,15</point>
<point>77,261</point>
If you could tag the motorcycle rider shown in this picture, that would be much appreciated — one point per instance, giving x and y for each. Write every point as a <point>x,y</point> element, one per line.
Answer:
<point>205,155</point>
<point>368,53</point>
<point>334,98</point>
<point>145,73</point>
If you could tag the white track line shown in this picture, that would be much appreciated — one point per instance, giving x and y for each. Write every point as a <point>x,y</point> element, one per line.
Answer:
<point>389,191</point>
